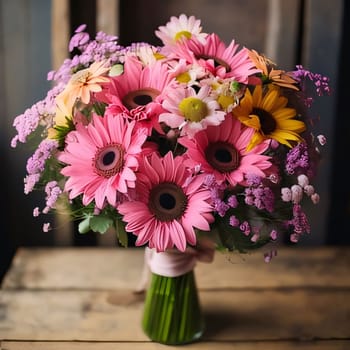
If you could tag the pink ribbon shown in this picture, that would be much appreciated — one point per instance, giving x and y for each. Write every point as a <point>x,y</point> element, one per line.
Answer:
<point>173,263</point>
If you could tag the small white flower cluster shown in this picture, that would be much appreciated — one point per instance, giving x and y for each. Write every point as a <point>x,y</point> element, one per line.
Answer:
<point>296,192</point>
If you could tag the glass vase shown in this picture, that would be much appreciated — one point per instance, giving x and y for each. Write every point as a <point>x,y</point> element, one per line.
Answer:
<point>172,312</point>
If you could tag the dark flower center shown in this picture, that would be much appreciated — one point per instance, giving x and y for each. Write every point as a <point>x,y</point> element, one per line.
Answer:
<point>167,201</point>
<point>267,121</point>
<point>222,156</point>
<point>139,98</point>
<point>109,160</point>
<point>217,61</point>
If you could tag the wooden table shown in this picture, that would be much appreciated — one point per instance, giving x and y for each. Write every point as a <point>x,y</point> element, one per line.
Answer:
<point>83,298</point>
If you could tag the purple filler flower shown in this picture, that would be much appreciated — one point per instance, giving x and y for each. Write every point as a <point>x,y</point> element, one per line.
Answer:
<point>299,221</point>
<point>36,163</point>
<point>297,157</point>
<point>321,82</point>
<point>79,39</point>
<point>232,201</point>
<point>234,222</point>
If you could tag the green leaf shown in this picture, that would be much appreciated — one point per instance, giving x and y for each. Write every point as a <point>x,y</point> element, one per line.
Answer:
<point>100,108</point>
<point>121,233</point>
<point>234,239</point>
<point>235,86</point>
<point>100,223</point>
<point>63,130</point>
<point>84,226</point>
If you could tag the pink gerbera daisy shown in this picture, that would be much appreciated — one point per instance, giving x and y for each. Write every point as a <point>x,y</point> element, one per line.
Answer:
<point>102,158</point>
<point>191,111</point>
<point>221,60</point>
<point>169,206</point>
<point>221,151</point>
<point>138,91</point>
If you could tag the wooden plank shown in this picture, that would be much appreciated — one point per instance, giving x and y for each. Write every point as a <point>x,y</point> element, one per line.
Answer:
<point>234,16</point>
<point>230,315</point>
<point>321,50</point>
<point>75,268</point>
<point>119,268</point>
<point>107,239</point>
<point>60,32</point>
<point>108,16</point>
<point>283,345</point>
<point>25,46</point>
<point>281,44</point>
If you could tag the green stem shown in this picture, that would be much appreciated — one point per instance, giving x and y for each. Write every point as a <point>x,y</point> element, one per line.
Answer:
<point>172,313</point>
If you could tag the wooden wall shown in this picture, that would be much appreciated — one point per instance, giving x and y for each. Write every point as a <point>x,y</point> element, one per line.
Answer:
<point>25,59</point>
<point>33,40</point>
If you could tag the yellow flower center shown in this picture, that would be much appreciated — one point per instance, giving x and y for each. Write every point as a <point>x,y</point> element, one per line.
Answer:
<point>183,77</point>
<point>193,109</point>
<point>225,101</point>
<point>158,56</point>
<point>183,34</point>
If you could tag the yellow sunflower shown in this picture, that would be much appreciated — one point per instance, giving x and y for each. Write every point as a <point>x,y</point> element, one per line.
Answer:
<point>266,112</point>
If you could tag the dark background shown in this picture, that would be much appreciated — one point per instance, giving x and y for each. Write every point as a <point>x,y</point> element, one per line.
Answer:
<point>320,43</point>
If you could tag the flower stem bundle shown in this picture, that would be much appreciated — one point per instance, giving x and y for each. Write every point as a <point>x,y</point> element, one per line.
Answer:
<point>172,312</point>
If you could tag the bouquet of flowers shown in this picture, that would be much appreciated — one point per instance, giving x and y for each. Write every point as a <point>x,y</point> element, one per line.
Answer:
<point>194,145</point>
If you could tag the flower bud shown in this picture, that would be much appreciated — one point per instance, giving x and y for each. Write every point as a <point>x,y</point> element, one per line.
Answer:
<point>315,198</point>
<point>297,193</point>
<point>303,180</point>
<point>286,194</point>
<point>309,190</point>
<point>321,139</point>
